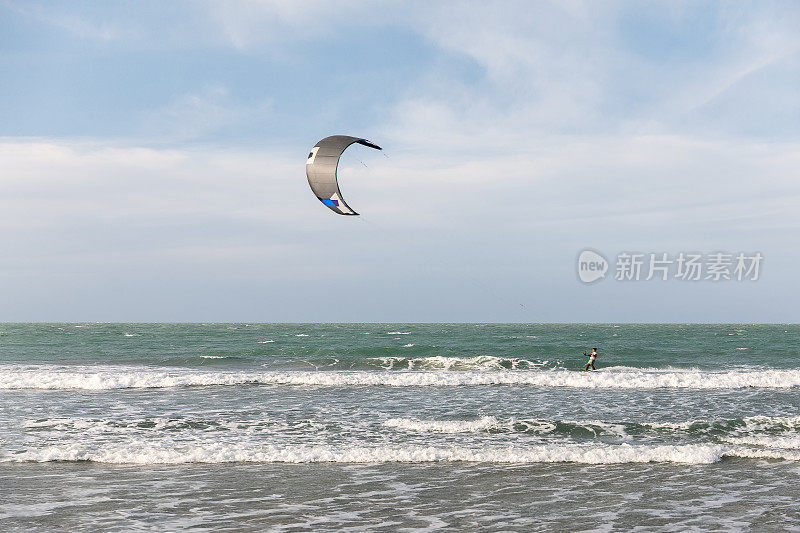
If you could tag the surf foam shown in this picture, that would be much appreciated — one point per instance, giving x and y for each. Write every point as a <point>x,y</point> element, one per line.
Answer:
<point>170,453</point>
<point>481,362</point>
<point>123,377</point>
<point>443,426</point>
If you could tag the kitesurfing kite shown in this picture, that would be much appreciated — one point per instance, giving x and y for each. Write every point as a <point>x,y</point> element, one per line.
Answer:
<point>321,170</point>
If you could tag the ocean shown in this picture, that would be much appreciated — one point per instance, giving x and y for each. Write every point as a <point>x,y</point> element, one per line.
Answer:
<point>388,427</point>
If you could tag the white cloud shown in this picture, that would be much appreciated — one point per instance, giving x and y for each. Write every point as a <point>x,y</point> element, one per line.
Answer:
<point>194,115</point>
<point>555,69</point>
<point>567,137</point>
<point>96,213</point>
<point>80,26</point>
<point>251,24</point>
<point>637,181</point>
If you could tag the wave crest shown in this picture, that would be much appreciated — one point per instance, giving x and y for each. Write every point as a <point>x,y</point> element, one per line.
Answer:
<point>480,363</point>
<point>227,453</point>
<point>443,426</point>
<point>119,377</point>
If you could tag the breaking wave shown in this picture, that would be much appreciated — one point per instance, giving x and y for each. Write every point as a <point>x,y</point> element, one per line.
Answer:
<point>122,377</point>
<point>776,432</point>
<point>446,426</point>
<point>482,363</point>
<point>192,439</point>
<point>154,453</point>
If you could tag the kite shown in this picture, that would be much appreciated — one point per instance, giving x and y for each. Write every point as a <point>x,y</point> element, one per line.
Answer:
<point>321,170</point>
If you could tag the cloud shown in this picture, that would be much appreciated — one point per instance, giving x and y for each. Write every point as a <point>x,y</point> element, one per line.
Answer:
<point>85,27</point>
<point>575,68</point>
<point>630,189</point>
<point>248,25</point>
<point>204,218</point>
<point>200,114</point>
<point>531,132</point>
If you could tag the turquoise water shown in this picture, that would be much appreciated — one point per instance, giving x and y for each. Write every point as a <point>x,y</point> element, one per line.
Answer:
<point>387,426</point>
<point>301,345</point>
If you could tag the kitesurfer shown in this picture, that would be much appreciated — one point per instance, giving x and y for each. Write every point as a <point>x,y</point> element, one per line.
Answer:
<point>592,357</point>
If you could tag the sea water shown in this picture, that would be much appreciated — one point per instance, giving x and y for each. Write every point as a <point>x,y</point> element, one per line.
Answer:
<point>391,426</point>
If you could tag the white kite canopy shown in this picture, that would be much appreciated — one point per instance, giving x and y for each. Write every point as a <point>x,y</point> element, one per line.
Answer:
<point>321,170</point>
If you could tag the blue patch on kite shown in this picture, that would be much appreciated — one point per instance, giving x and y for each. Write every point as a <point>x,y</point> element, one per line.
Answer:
<point>330,203</point>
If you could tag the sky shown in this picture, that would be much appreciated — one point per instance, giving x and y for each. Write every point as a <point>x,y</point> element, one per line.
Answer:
<point>152,159</point>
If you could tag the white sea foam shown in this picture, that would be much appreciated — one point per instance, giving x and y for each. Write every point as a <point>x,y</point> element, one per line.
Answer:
<point>751,453</point>
<point>120,377</point>
<point>264,342</point>
<point>749,424</point>
<point>767,441</point>
<point>182,439</point>
<point>753,431</point>
<point>443,426</point>
<point>481,425</point>
<point>481,362</point>
<point>191,428</point>
<point>409,345</point>
<point>62,423</point>
<point>169,452</point>
<point>777,432</point>
<point>772,422</point>
<point>398,333</point>
<point>301,335</point>
<point>526,425</point>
